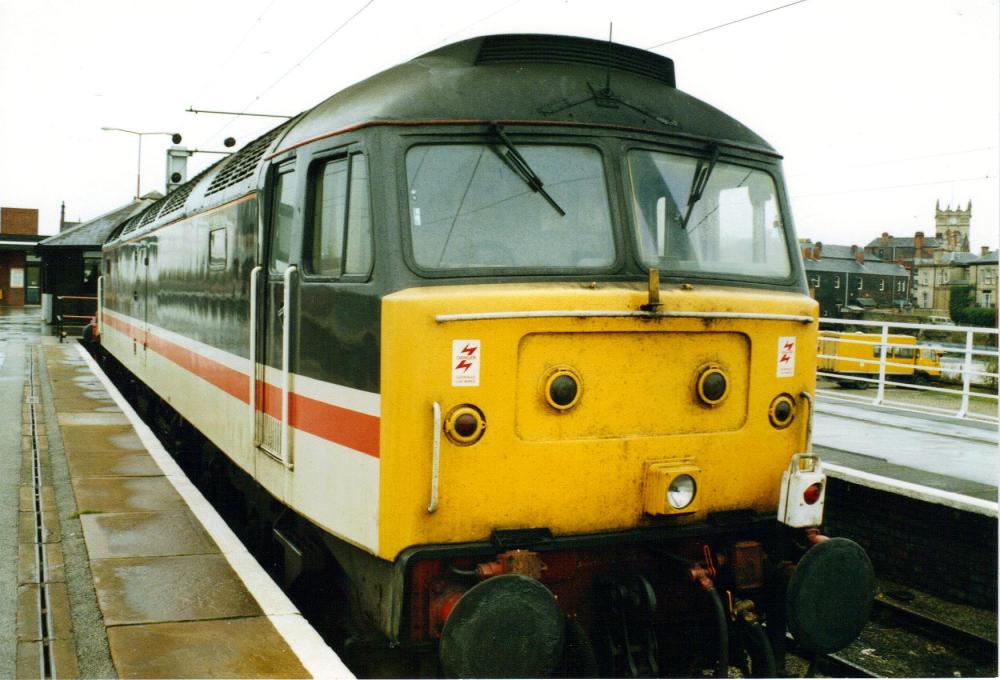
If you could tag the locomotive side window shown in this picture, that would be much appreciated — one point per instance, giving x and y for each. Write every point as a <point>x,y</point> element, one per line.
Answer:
<point>281,221</point>
<point>217,248</point>
<point>341,225</point>
<point>732,226</point>
<point>470,209</point>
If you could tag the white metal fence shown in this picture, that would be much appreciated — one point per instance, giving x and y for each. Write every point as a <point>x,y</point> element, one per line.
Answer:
<point>963,375</point>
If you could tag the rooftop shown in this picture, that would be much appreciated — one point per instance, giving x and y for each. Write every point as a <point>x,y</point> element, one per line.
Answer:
<point>23,242</point>
<point>901,242</point>
<point>94,233</point>
<point>988,258</point>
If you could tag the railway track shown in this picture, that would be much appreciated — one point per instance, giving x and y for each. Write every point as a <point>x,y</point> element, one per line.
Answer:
<point>903,641</point>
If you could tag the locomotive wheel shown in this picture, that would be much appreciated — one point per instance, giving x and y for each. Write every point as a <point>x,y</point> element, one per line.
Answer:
<point>829,598</point>
<point>507,626</point>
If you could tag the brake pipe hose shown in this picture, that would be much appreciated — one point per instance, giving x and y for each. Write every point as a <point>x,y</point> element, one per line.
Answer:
<point>701,577</point>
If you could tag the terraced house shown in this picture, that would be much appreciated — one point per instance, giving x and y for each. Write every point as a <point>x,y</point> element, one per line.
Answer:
<point>844,280</point>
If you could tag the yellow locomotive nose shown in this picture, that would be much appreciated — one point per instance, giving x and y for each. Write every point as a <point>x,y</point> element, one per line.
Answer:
<point>580,412</point>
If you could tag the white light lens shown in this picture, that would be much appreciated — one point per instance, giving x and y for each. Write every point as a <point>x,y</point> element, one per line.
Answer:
<point>681,491</point>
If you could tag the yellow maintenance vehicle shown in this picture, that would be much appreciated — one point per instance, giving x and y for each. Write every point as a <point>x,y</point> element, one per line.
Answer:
<point>853,359</point>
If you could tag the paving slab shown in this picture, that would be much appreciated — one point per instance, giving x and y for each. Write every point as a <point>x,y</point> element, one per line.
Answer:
<point>146,534</point>
<point>125,494</point>
<point>91,418</point>
<point>100,438</point>
<point>231,648</point>
<point>112,464</point>
<point>28,620</point>
<point>27,563</point>
<point>160,589</point>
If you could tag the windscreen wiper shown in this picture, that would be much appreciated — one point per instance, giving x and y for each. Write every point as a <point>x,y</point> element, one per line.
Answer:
<point>516,161</point>
<point>702,172</point>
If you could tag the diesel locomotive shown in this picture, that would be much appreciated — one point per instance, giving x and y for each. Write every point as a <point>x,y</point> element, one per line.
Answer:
<point>509,347</point>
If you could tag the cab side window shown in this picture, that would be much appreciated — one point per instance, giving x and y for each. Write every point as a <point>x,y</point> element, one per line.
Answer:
<point>340,237</point>
<point>281,221</point>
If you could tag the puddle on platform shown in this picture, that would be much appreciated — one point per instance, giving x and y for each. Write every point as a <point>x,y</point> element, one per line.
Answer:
<point>93,419</point>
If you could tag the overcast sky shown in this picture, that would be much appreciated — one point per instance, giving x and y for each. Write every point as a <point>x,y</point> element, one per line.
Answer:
<point>880,107</point>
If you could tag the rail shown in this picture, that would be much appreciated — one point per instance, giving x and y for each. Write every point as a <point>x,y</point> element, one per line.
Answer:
<point>934,369</point>
<point>75,311</point>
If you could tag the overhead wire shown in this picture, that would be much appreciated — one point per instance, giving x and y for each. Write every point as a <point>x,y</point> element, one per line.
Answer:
<point>728,23</point>
<point>478,21</point>
<point>301,61</point>
<point>890,161</point>
<point>893,186</point>
<point>235,49</point>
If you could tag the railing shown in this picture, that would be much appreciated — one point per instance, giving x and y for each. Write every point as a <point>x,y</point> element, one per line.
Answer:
<point>74,310</point>
<point>942,370</point>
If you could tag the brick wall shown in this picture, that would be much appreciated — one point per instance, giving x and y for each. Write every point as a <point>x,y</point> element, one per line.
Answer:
<point>932,548</point>
<point>18,221</point>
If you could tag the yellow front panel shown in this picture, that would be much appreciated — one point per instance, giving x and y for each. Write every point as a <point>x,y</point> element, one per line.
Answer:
<point>627,386</point>
<point>583,471</point>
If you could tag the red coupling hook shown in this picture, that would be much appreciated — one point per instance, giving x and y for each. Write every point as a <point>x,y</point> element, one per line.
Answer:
<point>701,576</point>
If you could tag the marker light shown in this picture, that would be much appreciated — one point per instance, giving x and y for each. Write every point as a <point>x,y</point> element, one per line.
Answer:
<point>562,389</point>
<point>681,491</point>
<point>465,424</point>
<point>812,493</point>
<point>782,411</point>
<point>713,386</point>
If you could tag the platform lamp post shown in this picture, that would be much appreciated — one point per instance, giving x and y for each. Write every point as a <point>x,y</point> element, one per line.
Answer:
<point>175,137</point>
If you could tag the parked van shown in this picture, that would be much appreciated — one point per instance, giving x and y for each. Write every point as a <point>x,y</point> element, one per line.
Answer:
<point>853,359</point>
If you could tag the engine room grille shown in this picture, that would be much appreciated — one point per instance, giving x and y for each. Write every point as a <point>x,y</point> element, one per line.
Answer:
<point>243,163</point>
<point>547,49</point>
<point>176,198</point>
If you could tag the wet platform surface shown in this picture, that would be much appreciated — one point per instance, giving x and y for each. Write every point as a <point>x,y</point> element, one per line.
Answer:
<point>942,454</point>
<point>165,600</point>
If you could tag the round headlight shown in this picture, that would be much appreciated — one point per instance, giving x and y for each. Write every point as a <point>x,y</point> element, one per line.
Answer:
<point>782,411</point>
<point>562,390</point>
<point>465,424</point>
<point>681,491</point>
<point>713,385</point>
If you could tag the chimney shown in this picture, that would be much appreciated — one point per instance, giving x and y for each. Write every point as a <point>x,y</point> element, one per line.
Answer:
<point>859,254</point>
<point>817,250</point>
<point>806,252</point>
<point>62,216</point>
<point>918,243</point>
<point>984,251</point>
<point>884,239</point>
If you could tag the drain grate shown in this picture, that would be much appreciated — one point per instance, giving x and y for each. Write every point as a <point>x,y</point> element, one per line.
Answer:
<point>47,666</point>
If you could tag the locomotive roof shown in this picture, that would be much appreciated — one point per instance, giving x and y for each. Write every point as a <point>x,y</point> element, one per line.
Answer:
<point>546,78</point>
<point>530,78</point>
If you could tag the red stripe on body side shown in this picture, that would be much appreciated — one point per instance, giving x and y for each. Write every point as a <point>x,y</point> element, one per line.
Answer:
<point>353,429</point>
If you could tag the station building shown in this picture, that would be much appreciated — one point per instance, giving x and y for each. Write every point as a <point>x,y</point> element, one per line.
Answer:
<point>71,260</point>
<point>19,267</point>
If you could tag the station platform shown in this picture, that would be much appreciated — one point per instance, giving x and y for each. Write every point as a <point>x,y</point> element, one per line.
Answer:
<point>937,459</point>
<point>123,568</point>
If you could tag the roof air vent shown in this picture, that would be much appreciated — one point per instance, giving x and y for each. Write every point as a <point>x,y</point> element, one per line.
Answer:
<point>243,163</point>
<point>555,49</point>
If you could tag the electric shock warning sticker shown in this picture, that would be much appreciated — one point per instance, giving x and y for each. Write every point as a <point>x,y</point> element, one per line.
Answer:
<point>465,355</point>
<point>786,357</point>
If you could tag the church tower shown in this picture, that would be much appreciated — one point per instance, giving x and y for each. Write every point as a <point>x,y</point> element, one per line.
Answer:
<point>952,227</point>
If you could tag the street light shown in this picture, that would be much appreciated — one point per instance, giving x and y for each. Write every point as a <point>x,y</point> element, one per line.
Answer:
<point>176,138</point>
